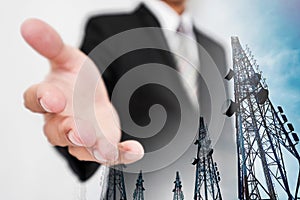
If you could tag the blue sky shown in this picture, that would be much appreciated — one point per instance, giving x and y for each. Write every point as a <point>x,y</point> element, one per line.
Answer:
<point>278,53</point>
<point>272,31</point>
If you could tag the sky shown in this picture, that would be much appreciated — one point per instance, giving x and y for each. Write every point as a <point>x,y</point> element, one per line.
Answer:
<point>271,30</point>
<point>269,27</point>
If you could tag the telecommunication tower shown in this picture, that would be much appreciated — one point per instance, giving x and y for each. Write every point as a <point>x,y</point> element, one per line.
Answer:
<point>178,194</point>
<point>207,174</point>
<point>263,135</point>
<point>116,185</point>
<point>138,193</point>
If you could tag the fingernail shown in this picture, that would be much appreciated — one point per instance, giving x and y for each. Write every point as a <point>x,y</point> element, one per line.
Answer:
<point>75,140</point>
<point>130,156</point>
<point>85,133</point>
<point>44,106</point>
<point>111,154</point>
<point>107,150</point>
<point>98,156</point>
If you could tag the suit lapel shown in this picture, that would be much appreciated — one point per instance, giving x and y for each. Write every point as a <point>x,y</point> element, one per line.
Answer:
<point>148,19</point>
<point>210,54</point>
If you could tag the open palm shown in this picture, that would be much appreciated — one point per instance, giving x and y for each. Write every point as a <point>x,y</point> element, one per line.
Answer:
<point>53,98</point>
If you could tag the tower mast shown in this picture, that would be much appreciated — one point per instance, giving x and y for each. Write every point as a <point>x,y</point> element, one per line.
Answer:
<point>262,138</point>
<point>207,175</point>
<point>138,193</point>
<point>178,194</point>
<point>116,186</point>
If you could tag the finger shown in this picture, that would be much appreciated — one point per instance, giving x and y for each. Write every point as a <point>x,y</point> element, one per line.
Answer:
<point>108,122</point>
<point>124,153</point>
<point>56,130</point>
<point>81,153</point>
<point>46,41</point>
<point>43,98</point>
<point>130,151</point>
<point>65,131</point>
<point>105,151</point>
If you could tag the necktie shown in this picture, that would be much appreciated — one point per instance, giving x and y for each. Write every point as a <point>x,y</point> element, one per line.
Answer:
<point>187,62</point>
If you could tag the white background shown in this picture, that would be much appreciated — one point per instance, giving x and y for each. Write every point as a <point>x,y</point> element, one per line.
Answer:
<point>29,167</point>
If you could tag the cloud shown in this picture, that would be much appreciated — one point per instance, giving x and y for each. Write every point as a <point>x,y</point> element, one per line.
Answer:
<point>281,67</point>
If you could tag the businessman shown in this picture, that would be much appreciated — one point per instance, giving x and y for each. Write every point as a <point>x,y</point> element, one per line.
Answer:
<point>77,139</point>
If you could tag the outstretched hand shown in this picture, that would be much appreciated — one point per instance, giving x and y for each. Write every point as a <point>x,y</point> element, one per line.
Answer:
<point>53,99</point>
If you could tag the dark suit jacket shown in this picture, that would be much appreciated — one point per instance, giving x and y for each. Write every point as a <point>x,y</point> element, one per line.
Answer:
<point>98,29</point>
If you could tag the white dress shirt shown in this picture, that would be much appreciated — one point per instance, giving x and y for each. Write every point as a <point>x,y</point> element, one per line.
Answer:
<point>169,19</point>
<point>170,22</point>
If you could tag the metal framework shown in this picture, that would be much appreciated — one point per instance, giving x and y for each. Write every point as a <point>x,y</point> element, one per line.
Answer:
<point>263,141</point>
<point>138,193</point>
<point>116,185</point>
<point>178,194</point>
<point>207,175</point>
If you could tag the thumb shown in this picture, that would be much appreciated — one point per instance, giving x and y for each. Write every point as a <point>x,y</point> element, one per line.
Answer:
<point>47,42</point>
<point>42,37</point>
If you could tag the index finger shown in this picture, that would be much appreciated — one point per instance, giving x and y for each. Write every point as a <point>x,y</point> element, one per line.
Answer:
<point>42,98</point>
